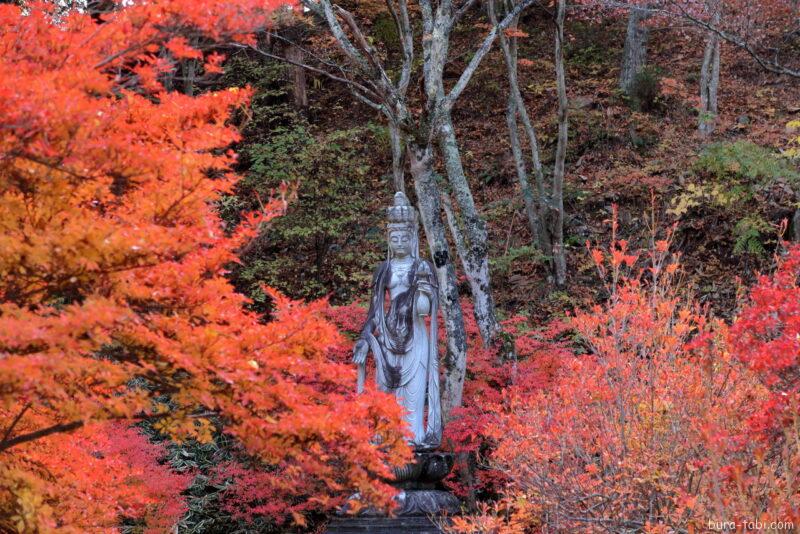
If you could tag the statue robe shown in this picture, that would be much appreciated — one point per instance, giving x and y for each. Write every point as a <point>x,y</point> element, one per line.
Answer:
<point>405,352</point>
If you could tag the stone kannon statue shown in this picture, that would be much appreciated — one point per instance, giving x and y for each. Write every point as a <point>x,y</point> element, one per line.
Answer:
<point>404,347</point>
<point>406,365</point>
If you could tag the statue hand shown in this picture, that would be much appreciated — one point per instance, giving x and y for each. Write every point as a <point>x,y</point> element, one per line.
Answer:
<point>360,352</point>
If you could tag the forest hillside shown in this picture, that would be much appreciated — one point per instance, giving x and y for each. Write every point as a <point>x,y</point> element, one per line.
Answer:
<point>193,225</point>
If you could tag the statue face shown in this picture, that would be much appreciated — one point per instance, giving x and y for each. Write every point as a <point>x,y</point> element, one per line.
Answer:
<point>400,243</point>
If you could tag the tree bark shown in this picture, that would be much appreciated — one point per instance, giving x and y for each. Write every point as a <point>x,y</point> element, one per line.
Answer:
<point>634,55</point>
<point>455,360</point>
<point>474,252</point>
<point>516,107</point>
<point>522,173</point>
<point>796,226</point>
<point>189,70</point>
<point>536,201</point>
<point>709,81</point>
<point>295,54</point>
<point>167,77</point>
<point>557,197</point>
<point>398,162</point>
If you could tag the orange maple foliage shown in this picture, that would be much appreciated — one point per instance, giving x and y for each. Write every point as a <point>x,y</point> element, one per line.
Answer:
<point>127,481</point>
<point>660,426</point>
<point>113,262</point>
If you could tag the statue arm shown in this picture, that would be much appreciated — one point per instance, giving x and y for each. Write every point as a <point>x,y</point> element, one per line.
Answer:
<point>361,348</point>
<point>369,324</point>
<point>360,352</point>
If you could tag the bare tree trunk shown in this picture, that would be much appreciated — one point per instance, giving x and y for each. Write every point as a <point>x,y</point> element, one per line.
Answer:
<point>295,54</point>
<point>189,71</point>
<point>634,55</point>
<point>167,77</point>
<point>189,68</point>
<point>535,203</point>
<point>796,226</point>
<point>398,162</point>
<point>474,250</point>
<point>557,197</point>
<point>709,81</point>
<point>522,173</point>
<point>466,462</point>
<point>455,361</point>
<point>537,207</point>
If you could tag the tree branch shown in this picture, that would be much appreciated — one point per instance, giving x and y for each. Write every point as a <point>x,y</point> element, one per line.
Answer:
<point>463,9</point>
<point>773,65</point>
<point>406,34</point>
<point>31,436</point>
<point>352,84</point>
<point>13,424</point>
<point>462,82</point>
<point>369,50</point>
<point>325,10</point>
<point>6,444</point>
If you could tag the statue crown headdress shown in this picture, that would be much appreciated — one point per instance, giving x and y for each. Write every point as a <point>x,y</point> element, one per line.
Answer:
<point>402,215</point>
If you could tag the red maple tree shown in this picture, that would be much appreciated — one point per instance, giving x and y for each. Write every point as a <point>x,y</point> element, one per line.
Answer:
<point>113,268</point>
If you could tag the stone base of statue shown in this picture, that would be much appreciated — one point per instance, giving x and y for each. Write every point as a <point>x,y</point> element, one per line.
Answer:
<point>421,487</point>
<point>384,525</point>
<point>421,504</point>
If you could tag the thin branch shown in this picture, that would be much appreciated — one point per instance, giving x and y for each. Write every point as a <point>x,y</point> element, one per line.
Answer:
<point>462,82</point>
<point>6,444</point>
<point>463,9</point>
<point>121,53</point>
<point>44,163</point>
<point>368,49</point>
<point>31,436</point>
<point>773,66</point>
<point>325,10</point>
<point>406,34</point>
<point>367,101</point>
<point>370,64</point>
<point>304,50</point>
<point>354,85</point>
<point>13,424</point>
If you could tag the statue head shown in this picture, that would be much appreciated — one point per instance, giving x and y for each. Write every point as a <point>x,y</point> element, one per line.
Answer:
<point>403,236</point>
